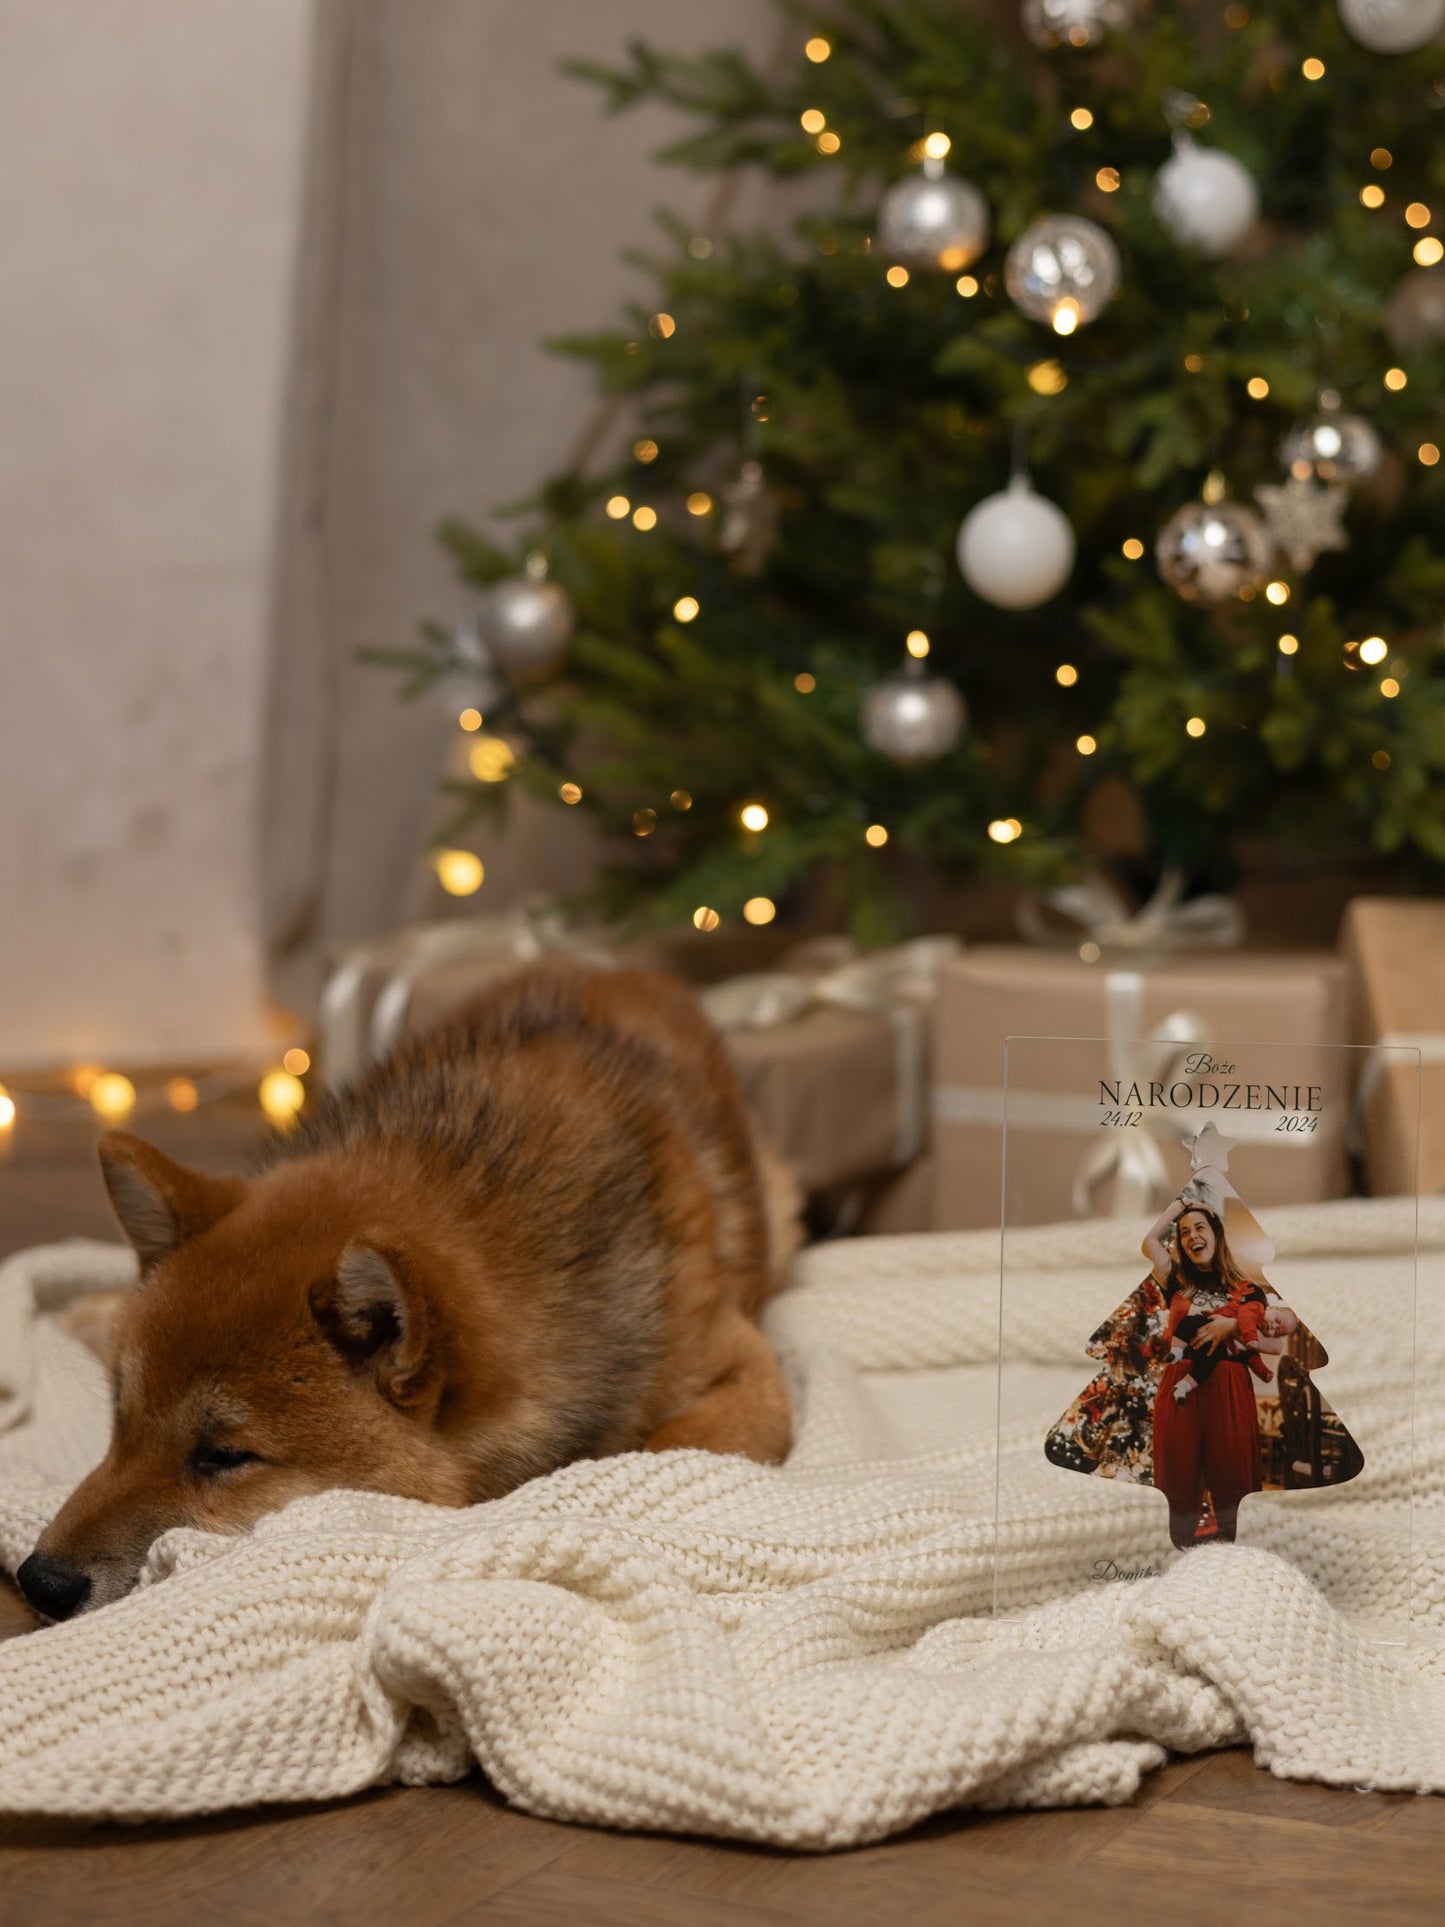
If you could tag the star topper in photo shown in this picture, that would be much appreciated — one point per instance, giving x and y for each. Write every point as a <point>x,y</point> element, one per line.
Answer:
<point>1209,1149</point>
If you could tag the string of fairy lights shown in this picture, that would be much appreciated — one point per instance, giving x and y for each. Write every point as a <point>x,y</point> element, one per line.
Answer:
<point>1062,272</point>
<point>90,1093</point>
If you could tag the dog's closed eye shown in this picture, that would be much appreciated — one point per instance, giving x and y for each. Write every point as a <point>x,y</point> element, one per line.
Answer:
<point>210,1461</point>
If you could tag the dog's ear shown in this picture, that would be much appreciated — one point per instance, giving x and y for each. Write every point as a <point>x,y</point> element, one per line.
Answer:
<point>159,1203</point>
<point>375,1314</point>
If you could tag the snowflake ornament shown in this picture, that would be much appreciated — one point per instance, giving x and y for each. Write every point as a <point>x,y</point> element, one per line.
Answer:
<point>1303,517</point>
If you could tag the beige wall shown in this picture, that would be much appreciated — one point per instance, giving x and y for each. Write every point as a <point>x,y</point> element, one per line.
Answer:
<point>467,201</point>
<point>275,278</point>
<point>149,151</point>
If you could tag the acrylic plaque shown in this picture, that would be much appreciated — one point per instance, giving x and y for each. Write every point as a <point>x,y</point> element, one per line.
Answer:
<point>1204,1336</point>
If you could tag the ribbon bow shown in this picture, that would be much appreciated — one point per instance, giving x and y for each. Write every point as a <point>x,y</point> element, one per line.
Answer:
<point>877,981</point>
<point>353,1034</point>
<point>895,983</point>
<point>1095,908</point>
<point>1133,1158</point>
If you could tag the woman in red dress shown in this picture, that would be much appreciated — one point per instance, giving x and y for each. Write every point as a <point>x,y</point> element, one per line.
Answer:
<point>1206,1424</point>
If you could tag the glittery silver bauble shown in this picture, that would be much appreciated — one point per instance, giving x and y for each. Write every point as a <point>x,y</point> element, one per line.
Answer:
<point>1333,446</point>
<point>1074,23</point>
<point>1206,198</point>
<point>526,622</point>
<point>1063,270</point>
<point>913,717</point>
<point>1392,26</point>
<point>1209,551</point>
<point>1415,312</point>
<point>932,220</point>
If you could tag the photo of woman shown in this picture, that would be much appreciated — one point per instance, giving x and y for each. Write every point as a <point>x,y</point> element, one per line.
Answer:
<point>1204,1389</point>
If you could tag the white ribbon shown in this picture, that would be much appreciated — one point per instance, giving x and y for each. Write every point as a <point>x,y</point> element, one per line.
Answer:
<point>1431,1047</point>
<point>352,1034</point>
<point>1097,909</point>
<point>1132,1157</point>
<point>893,983</point>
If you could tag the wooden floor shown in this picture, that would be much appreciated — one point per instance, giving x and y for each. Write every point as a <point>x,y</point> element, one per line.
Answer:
<point>1209,1839</point>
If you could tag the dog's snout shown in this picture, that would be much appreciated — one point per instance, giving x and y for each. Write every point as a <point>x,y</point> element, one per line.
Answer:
<point>52,1587</point>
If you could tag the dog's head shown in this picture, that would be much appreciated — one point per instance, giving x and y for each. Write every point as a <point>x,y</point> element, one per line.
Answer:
<point>284,1338</point>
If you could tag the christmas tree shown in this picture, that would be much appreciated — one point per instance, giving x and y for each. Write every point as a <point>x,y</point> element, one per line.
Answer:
<point>1157,289</point>
<point>1204,1387</point>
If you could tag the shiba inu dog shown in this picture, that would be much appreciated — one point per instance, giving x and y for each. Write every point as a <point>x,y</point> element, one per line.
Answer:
<point>541,1233</point>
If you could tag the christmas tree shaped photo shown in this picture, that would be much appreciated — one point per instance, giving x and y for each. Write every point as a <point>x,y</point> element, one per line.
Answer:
<point>1204,1387</point>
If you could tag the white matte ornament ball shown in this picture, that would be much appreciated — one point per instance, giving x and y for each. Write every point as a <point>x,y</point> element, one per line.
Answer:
<point>1063,270</point>
<point>526,623</point>
<point>1392,26</point>
<point>1015,549</point>
<point>932,220</point>
<point>1206,198</point>
<point>1209,551</point>
<point>913,717</point>
<point>1074,23</point>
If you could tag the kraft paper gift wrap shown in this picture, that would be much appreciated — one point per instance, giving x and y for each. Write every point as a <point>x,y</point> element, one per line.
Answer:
<point>832,1048</point>
<point>1006,990</point>
<point>1394,948</point>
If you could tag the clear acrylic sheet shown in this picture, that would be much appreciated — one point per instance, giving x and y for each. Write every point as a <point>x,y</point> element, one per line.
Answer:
<point>1198,1386</point>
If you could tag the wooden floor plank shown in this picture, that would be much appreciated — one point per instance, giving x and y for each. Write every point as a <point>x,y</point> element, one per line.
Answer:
<point>415,1856</point>
<point>1232,1782</point>
<point>1329,1873</point>
<point>874,1888</point>
<point>1416,1816</point>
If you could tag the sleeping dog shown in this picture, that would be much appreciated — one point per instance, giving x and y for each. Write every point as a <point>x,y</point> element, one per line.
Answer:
<point>541,1233</point>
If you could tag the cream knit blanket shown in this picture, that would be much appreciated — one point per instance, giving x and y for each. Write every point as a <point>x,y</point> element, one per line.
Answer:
<point>803,1655</point>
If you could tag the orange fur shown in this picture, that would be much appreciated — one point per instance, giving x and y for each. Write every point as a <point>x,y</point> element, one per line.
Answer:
<point>542,1232</point>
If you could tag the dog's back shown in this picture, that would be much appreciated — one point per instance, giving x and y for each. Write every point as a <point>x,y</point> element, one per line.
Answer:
<point>588,1127</point>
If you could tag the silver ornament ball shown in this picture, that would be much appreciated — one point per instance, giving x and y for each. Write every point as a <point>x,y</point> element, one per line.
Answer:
<point>1415,312</point>
<point>1074,23</point>
<point>1392,26</point>
<point>1209,551</point>
<point>932,220</point>
<point>470,669</point>
<point>526,623</point>
<point>1332,446</point>
<point>1063,270</point>
<point>913,717</point>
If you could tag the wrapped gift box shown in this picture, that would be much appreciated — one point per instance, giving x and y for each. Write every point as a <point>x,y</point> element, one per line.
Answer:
<point>1394,948</point>
<point>841,1094</point>
<point>832,1049</point>
<point>900,1202</point>
<point>998,991</point>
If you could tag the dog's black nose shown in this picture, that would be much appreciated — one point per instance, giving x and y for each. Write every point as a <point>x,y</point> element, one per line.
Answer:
<point>52,1587</point>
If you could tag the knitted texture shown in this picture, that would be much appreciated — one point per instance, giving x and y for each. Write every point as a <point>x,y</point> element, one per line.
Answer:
<point>805,1655</point>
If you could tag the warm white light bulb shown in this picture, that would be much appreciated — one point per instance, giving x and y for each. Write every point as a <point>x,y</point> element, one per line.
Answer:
<point>281,1096</point>
<point>112,1095</point>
